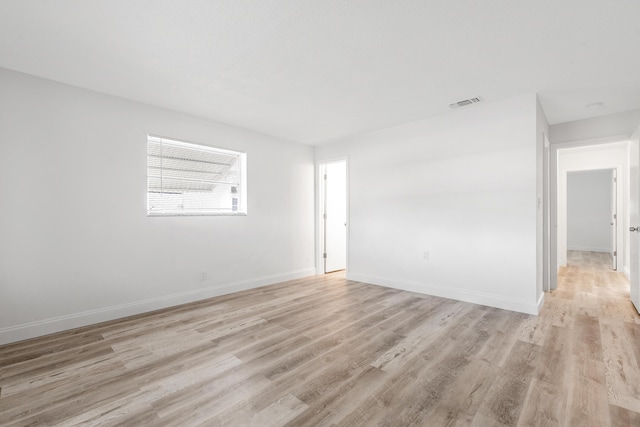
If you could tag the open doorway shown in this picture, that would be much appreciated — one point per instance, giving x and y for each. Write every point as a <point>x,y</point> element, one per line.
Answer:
<point>586,162</point>
<point>592,216</point>
<point>333,215</point>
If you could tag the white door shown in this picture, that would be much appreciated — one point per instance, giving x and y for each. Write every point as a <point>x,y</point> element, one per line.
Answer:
<point>335,216</point>
<point>634,218</point>
<point>614,219</point>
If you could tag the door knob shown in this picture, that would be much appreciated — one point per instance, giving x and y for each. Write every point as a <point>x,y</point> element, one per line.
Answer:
<point>636,229</point>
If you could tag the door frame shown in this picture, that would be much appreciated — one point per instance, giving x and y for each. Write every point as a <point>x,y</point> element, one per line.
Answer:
<point>618,198</point>
<point>319,210</point>
<point>614,217</point>
<point>555,199</point>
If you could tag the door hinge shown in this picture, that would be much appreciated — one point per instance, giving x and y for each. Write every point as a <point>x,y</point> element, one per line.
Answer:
<point>324,216</point>
<point>615,179</point>
<point>324,255</point>
<point>615,216</point>
<point>615,253</point>
<point>325,176</point>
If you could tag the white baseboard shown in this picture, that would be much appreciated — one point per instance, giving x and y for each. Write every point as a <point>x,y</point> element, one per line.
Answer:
<point>481,298</point>
<point>85,318</point>
<point>589,249</point>
<point>627,272</point>
<point>540,303</point>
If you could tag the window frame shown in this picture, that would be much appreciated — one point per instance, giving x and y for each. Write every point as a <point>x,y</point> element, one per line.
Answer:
<point>203,148</point>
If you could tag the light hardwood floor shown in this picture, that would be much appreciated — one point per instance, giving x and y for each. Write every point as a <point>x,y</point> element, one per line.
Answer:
<point>324,351</point>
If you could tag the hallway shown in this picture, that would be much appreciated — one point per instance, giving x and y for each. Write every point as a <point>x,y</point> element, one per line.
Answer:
<point>592,342</point>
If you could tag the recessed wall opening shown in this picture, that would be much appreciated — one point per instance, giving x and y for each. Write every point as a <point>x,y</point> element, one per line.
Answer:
<point>332,216</point>
<point>592,216</point>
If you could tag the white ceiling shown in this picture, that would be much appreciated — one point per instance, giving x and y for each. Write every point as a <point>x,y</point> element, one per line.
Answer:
<point>317,71</point>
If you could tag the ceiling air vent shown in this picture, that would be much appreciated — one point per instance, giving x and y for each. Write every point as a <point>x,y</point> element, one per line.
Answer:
<point>465,102</point>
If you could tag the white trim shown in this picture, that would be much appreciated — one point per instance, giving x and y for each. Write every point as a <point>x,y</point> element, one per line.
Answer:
<point>174,211</point>
<point>546,213</point>
<point>481,298</point>
<point>540,303</point>
<point>557,184</point>
<point>559,232</point>
<point>590,141</point>
<point>627,272</point>
<point>319,208</point>
<point>85,318</point>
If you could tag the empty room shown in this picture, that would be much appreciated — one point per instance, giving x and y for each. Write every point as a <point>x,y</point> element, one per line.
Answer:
<point>319,213</point>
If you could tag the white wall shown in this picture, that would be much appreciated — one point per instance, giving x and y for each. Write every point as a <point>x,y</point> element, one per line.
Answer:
<point>76,245</point>
<point>462,186</point>
<point>593,157</point>
<point>589,198</point>
<point>620,125</point>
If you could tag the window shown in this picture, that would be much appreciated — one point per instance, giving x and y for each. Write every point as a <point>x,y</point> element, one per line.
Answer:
<point>191,179</point>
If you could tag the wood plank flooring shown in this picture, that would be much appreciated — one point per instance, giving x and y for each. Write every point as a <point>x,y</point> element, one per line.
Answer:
<point>324,351</point>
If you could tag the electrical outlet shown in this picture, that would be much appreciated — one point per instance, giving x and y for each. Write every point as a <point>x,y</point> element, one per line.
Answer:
<point>425,256</point>
<point>203,276</point>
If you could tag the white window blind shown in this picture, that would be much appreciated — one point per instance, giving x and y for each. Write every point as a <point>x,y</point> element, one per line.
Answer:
<point>191,179</point>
